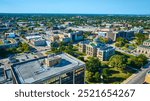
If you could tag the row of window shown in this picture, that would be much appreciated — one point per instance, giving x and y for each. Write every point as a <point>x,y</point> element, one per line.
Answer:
<point>67,78</point>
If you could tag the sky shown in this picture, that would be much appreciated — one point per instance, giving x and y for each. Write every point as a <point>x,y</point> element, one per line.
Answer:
<point>76,6</point>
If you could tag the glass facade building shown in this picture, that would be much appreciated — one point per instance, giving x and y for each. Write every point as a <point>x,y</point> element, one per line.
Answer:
<point>72,77</point>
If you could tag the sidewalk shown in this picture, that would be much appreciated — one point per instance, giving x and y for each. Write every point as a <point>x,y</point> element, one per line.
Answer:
<point>130,78</point>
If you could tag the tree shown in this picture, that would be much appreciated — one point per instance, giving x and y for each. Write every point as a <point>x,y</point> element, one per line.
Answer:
<point>127,45</point>
<point>104,40</point>
<point>97,77</point>
<point>89,76</point>
<point>140,38</point>
<point>105,73</point>
<point>23,47</point>
<point>143,59</point>
<point>93,65</point>
<point>81,58</point>
<point>137,61</point>
<point>118,61</point>
<point>69,49</point>
<point>86,34</point>
<point>120,42</point>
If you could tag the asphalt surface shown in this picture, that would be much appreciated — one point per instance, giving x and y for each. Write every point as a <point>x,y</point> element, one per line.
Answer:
<point>140,76</point>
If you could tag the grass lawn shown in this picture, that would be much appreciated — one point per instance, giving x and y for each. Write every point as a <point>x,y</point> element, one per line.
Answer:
<point>117,76</point>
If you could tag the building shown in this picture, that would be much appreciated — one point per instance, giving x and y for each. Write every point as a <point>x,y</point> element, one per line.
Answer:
<point>2,29</point>
<point>10,35</point>
<point>138,29</point>
<point>76,36</point>
<point>5,75</point>
<point>103,34</point>
<point>8,43</point>
<point>68,23</point>
<point>105,52</point>
<point>128,35</point>
<point>97,49</point>
<point>64,38</point>
<point>54,38</point>
<point>146,43</point>
<point>2,75</point>
<point>91,49</point>
<point>23,24</point>
<point>53,61</point>
<point>82,46</point>
<point>33,37</point>
<point>147,78</point>
<point>38,42</point>
<point>60,38</point>
<point>144,49</point>
<point>53,69</point>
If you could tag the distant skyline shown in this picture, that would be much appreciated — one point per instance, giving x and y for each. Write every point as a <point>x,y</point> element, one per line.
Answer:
<point>76,6</point>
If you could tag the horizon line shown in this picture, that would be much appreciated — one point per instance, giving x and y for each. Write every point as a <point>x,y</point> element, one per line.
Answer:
<point>74,13</point>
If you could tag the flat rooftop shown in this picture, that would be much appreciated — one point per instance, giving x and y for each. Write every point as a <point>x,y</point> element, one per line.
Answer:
<point>85,42</point>
<point>104,48</point>
<point>33,37</point>
<point>8,41</point>
<point>32,71</point>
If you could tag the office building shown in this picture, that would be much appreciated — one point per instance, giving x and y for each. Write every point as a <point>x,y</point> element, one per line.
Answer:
<point>5,75</point>
<point>128,35</point>
<point>138,30</point>
<point>97,49</point>
<point>38,42</point>
<point>53,69</point>
<point>105,52</point>
<point>64,38</point>
<point>76,36</point>
<point>10,35</point>
<point>8,43</point>
<point>82,46</point>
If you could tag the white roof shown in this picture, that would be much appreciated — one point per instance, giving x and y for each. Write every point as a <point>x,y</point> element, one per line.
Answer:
<point>33,37</point>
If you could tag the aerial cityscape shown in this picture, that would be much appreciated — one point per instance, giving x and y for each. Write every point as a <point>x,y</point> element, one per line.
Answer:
<point>38,46</point>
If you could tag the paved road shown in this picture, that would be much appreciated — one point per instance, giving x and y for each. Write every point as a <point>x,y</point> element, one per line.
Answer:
<point>140,76</point>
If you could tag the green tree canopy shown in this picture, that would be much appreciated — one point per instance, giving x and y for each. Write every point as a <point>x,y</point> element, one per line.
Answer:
<point>121,42</point>
<point>93,65</point>
<point>137,61</point>
<point>89,76</point>
<point>140,38</point>
<point>118,61</point>
<point>97,77</point>
<point>105,72</point>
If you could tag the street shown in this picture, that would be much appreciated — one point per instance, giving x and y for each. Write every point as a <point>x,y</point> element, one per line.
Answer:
<point>140,76</point>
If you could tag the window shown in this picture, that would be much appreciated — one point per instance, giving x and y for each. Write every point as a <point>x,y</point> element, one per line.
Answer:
<point>79,76</point>
<point>54,80</point>
<point>67,78</point>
